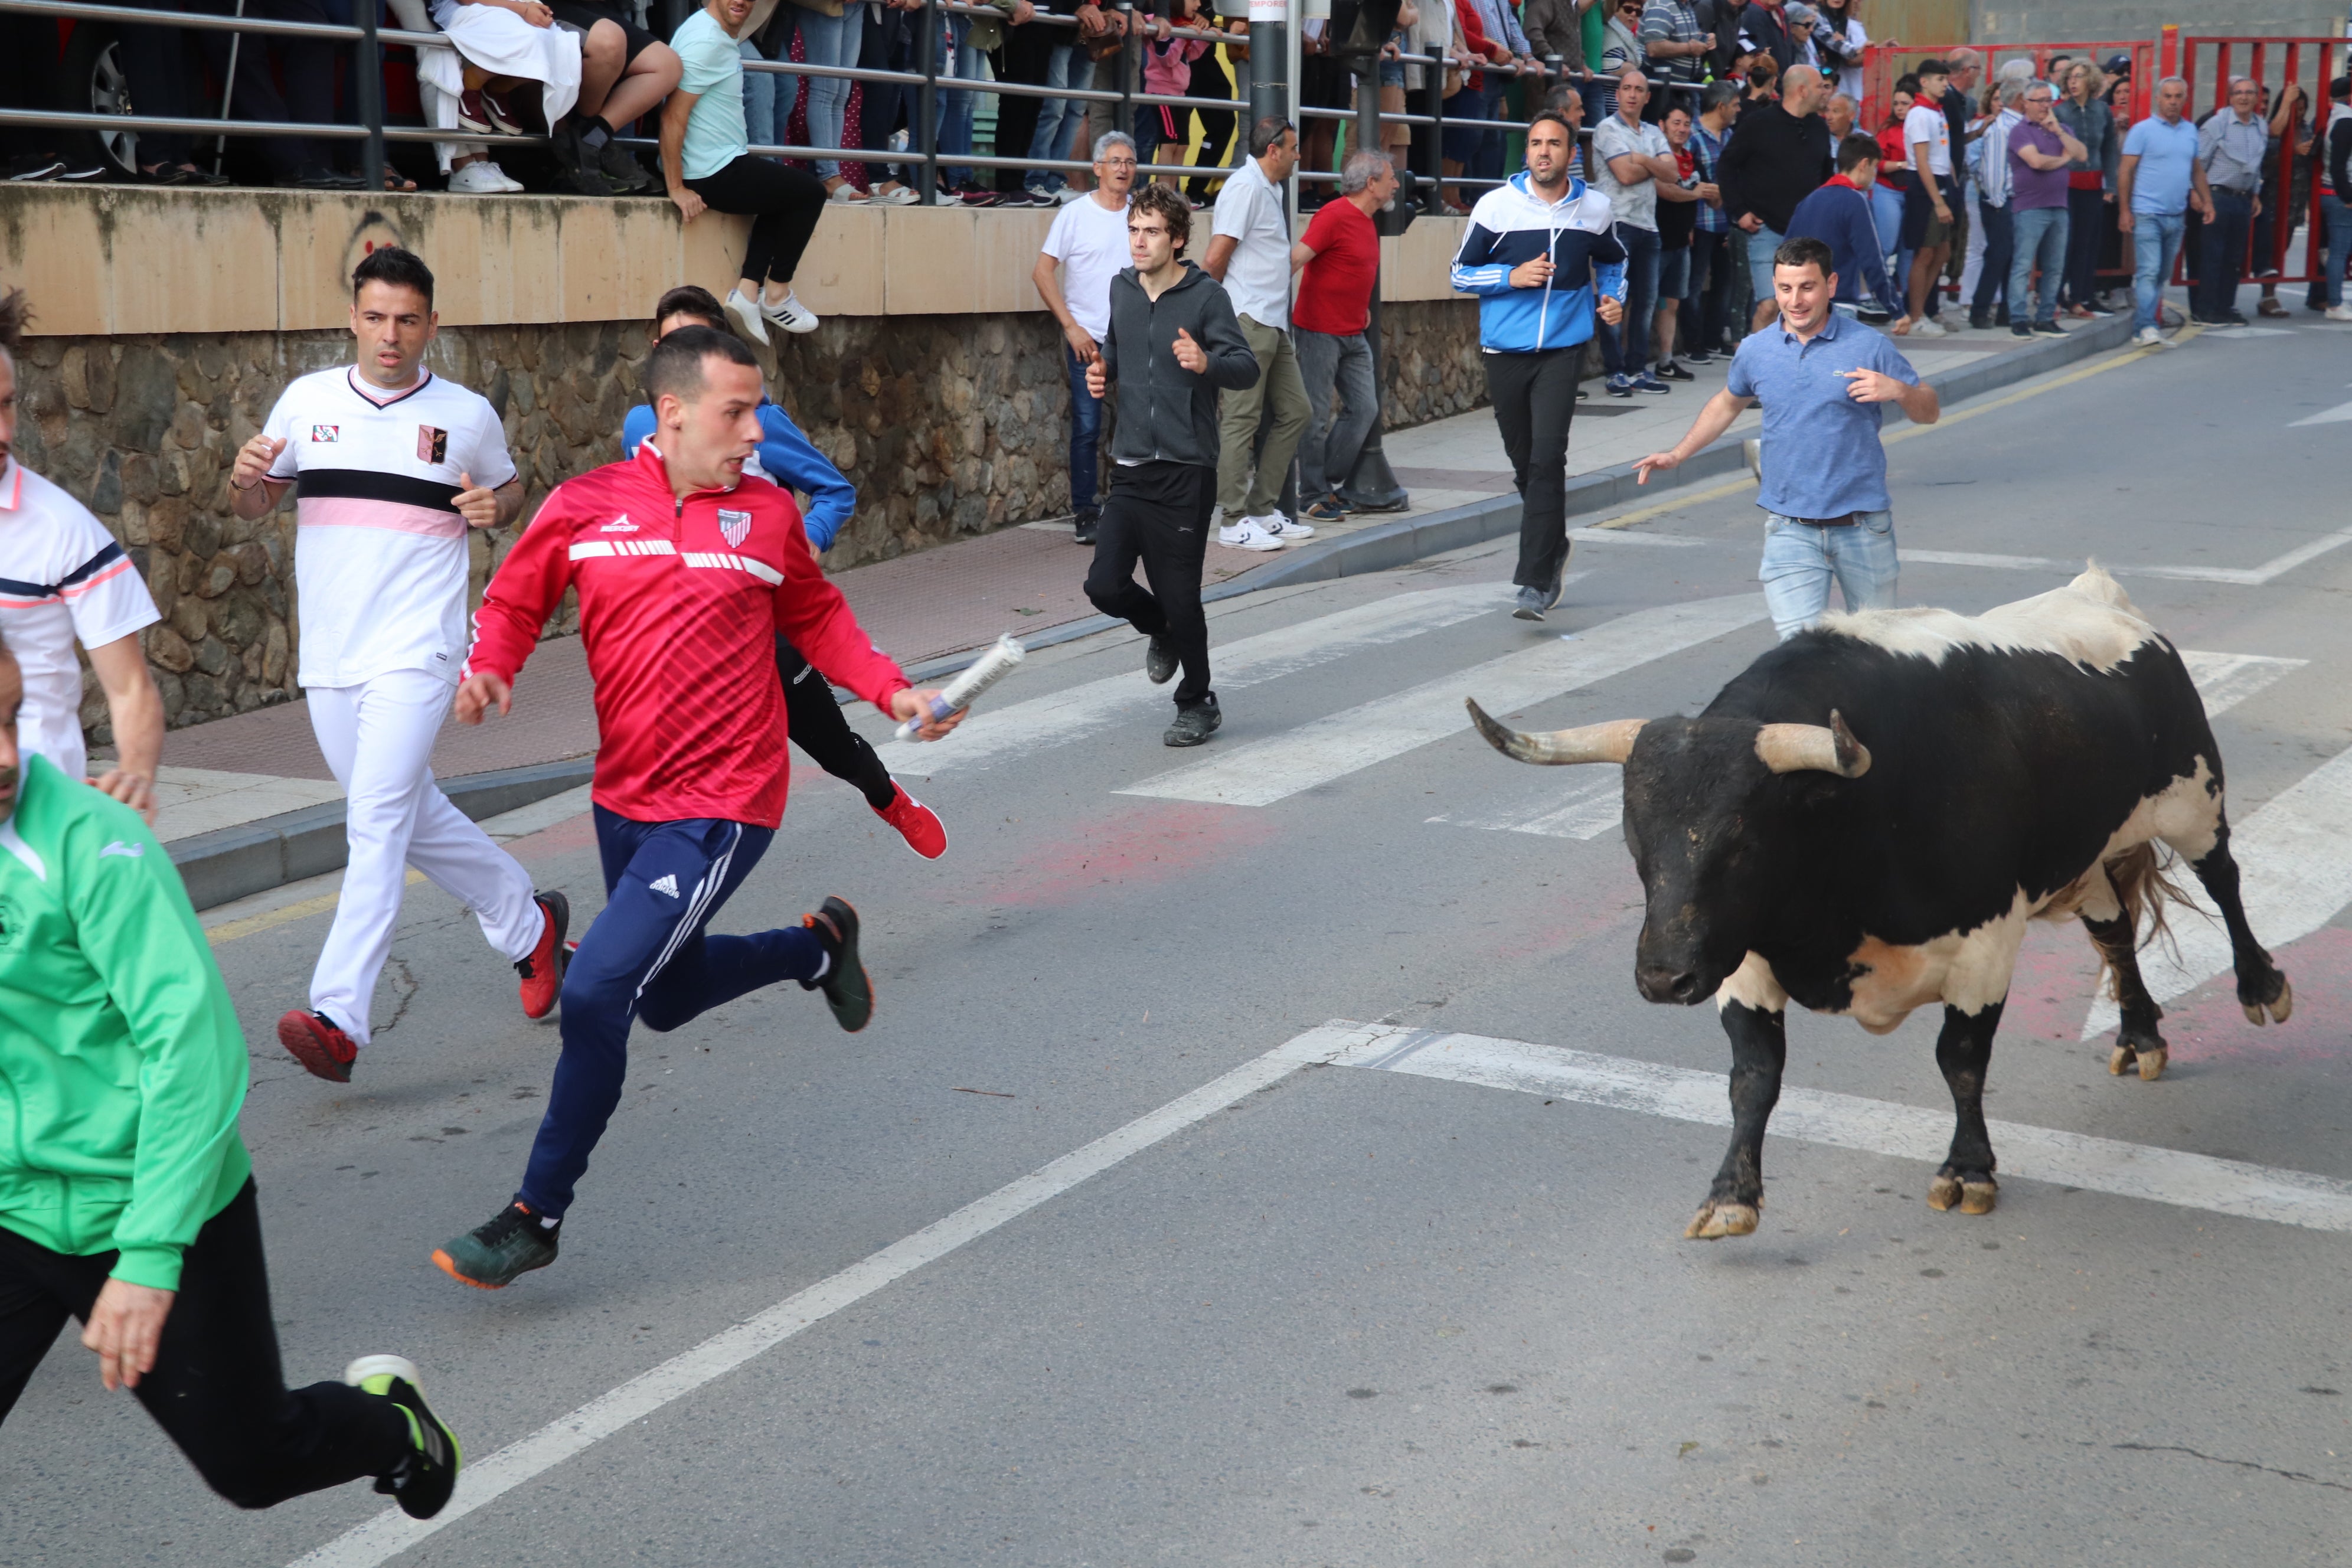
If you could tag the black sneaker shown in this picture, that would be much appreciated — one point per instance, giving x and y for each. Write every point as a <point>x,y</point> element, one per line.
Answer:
<point>1159,662</point>
<point>493,1256</point>
<point>2021,330</point>
<point>621,167</point>
<point>1980,321</point>
<point>2048,330</point>
<point>1083,530</point>
<point>1531,604</point>
<point>847,990</point>
<point>421,1483</point>
<point>1673,372</point>
<point>1194,724</point>
<point>36,166</point>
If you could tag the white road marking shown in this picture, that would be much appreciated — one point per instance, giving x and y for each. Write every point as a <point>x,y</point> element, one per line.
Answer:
<point>2340,414</point>
<point>1849,1121</point>
<point>1595,805</point>
<point>991,733</point>
<point>1264,771</point>
<point>391,1532</point>
<point>2294,864</point>
<point>2238,576</point>
<point>1970,558</point>
<point>1622,535</point>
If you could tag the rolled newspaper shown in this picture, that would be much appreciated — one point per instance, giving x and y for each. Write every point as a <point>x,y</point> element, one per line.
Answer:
<point>992,666</point>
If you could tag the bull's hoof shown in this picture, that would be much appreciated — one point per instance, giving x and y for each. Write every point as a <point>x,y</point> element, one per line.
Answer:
<point>2279,1007</point>
<point>1719,1217</point>
<point>2120,1060</point>
<point>2151,1065</point>
<point>1971,1193</point>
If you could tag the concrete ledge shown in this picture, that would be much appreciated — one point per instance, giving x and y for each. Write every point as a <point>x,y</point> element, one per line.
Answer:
<point>276,850</point>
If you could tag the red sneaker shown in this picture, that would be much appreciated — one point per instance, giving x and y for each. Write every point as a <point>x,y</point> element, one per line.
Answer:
<point>542,972</point>
<point>917,824</point>
<point>319,1044</point>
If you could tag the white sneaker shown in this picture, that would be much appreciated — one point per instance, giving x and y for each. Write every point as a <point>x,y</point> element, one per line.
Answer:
<point>1066,194</point>
<point>2148,337</point>
<point>790,313</point>
<point>746,314</point>
<point>483,178</point>
<point>2339,312</point>
<point>1928,327</point>
<point>1247,535</point>
<point>1282,527</point>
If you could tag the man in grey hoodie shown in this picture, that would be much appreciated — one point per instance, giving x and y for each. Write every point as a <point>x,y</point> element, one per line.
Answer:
<point>1175,331</point>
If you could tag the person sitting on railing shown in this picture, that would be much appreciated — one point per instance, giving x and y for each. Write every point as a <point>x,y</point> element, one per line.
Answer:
<point>1159,130</point>
<point>707,163</point>
<point>506,64</point>
<point>624,74</point>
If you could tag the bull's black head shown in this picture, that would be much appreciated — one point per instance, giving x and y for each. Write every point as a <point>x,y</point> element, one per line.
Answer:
<point>1704,803</point>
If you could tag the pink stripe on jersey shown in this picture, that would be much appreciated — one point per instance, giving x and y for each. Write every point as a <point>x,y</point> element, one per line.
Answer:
<point>79,589</point>
<point>397,517</point>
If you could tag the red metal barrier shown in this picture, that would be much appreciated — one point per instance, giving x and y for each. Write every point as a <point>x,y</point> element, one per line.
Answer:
<point>2208,63</point>
<point>1882,65</point>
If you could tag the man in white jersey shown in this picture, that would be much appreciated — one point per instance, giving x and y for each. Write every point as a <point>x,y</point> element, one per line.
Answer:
<point>389,466</point>
<point>64,578</point>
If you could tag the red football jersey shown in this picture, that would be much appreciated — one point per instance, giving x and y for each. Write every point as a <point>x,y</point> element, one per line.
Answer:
<point>679,606</point>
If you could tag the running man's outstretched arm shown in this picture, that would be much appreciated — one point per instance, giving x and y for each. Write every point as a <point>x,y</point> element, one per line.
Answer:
<point>814,619</point>
<point>1713,420</point>
<point>528,584</point>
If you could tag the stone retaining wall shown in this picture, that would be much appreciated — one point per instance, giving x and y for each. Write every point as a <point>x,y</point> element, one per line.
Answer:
<point>949,426</point>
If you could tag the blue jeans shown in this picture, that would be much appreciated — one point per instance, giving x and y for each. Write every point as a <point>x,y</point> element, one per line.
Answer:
<point>2336,219</point>
<point>1625,348</point>
<point>1085,434</point>
<point>2040,239</point>
<point>1800,561</point>
<point>646,956</point>
<point>1760,247</point>
<point>1060,119</point>
<point>2156,242</point>
<point>956,106</point>
<point>829,41</point>
<point>1887,216</point>
<point>762,126</point>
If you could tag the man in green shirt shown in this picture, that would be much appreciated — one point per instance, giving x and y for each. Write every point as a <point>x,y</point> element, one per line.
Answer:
<point>126,1196</point>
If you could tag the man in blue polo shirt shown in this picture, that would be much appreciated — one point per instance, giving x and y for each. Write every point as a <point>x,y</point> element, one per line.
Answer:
<point>1822,377</point>
<point>2158,182</point>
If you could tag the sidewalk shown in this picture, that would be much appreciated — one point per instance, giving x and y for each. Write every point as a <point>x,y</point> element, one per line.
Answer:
<point>1024,579</point>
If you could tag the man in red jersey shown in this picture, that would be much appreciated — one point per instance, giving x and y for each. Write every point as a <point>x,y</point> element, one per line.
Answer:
<point>686,571</point>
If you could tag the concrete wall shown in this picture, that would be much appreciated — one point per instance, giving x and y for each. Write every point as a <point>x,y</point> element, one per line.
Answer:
<point>2035,21</point>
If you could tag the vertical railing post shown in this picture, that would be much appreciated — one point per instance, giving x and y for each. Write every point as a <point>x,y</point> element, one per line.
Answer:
<point>1269,83</point>
<point>1130,68</point>
<point>1434,83</point>
<point>370,75</point>
<point>926,106</point>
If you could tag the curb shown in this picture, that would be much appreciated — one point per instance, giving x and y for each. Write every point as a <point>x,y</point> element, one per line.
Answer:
<point>257,856</point>
<point>1386,546</point>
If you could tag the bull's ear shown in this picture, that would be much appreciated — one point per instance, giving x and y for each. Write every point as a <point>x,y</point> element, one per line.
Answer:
<point>1609,742</point>
<point>1797,748</point>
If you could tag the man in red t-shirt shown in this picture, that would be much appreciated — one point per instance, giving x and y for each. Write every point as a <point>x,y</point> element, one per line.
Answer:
<point>1339,260</point>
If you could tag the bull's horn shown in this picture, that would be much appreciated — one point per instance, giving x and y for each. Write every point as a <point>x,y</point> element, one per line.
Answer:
<point>1830,749</point>
<point>1609,742</point>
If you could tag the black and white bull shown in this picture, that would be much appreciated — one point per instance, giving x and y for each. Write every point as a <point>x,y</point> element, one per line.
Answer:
<point>1865,819</point>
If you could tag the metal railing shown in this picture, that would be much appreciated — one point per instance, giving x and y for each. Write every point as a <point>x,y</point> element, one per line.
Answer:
<point>922,152</point>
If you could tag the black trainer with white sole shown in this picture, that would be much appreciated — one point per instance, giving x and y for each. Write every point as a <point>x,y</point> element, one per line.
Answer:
<point>1194,724</point>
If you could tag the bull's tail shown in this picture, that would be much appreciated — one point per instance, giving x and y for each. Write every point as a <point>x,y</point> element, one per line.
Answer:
<point>2143,885</point>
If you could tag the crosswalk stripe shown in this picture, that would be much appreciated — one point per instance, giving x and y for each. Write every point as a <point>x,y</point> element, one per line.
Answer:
<point>1845,1121</point>
<point>1264,771</point>
<point>994,732</point>
<point>1593,805</point>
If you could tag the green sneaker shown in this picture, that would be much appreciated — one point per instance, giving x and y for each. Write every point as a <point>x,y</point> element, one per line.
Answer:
<point>491,1256</point>
<point>847,989</point>
<point>422,1480</point>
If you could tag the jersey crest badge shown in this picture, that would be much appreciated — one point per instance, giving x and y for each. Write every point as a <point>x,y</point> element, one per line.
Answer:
<point>736,526</point>
<point>325,432</point>
<point>431,445</point>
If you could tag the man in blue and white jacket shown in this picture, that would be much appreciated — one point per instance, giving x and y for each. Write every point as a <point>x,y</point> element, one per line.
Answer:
<point>812,718</point>
<point>1539,252</point>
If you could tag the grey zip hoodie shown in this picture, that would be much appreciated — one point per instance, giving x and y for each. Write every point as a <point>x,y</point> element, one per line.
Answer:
<point>1168,414</point>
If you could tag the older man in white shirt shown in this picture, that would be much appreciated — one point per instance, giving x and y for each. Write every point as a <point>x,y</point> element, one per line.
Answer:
<point>1249,253</point>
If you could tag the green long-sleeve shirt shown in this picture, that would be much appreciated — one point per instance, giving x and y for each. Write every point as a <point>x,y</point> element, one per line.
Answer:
<point>121,1065</point>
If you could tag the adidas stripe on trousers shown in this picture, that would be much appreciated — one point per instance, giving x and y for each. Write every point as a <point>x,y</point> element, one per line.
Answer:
<point>649,956</point>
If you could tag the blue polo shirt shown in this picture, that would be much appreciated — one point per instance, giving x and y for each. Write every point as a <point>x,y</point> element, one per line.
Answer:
<point>1822,456</point>
<point>2166,154</point>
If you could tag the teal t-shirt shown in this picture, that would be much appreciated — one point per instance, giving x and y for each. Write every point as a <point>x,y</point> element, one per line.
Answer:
<point>715,134</point>
<point>1594,27</point>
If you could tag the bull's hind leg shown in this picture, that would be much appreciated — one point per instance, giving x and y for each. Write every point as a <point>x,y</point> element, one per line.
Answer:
<point>2261,987</point>
<point>1964,1050</point>
<point>2137,1041</point>
<point>1760,1048</point>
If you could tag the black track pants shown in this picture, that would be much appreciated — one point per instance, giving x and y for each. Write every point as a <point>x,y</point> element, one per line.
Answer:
<point>1158,513</point>
<point>817,726</point>
<point>1534,396</point>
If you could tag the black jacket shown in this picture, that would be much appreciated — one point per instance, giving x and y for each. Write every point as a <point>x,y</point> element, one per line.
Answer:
<point>1168,414</point>
<point>1773,161</point>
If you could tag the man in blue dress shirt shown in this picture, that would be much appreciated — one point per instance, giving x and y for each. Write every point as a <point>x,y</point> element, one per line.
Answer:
<point>1822,377</point>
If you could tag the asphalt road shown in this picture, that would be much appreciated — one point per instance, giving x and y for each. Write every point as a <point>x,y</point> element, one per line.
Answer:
<point>1356,1317</point>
